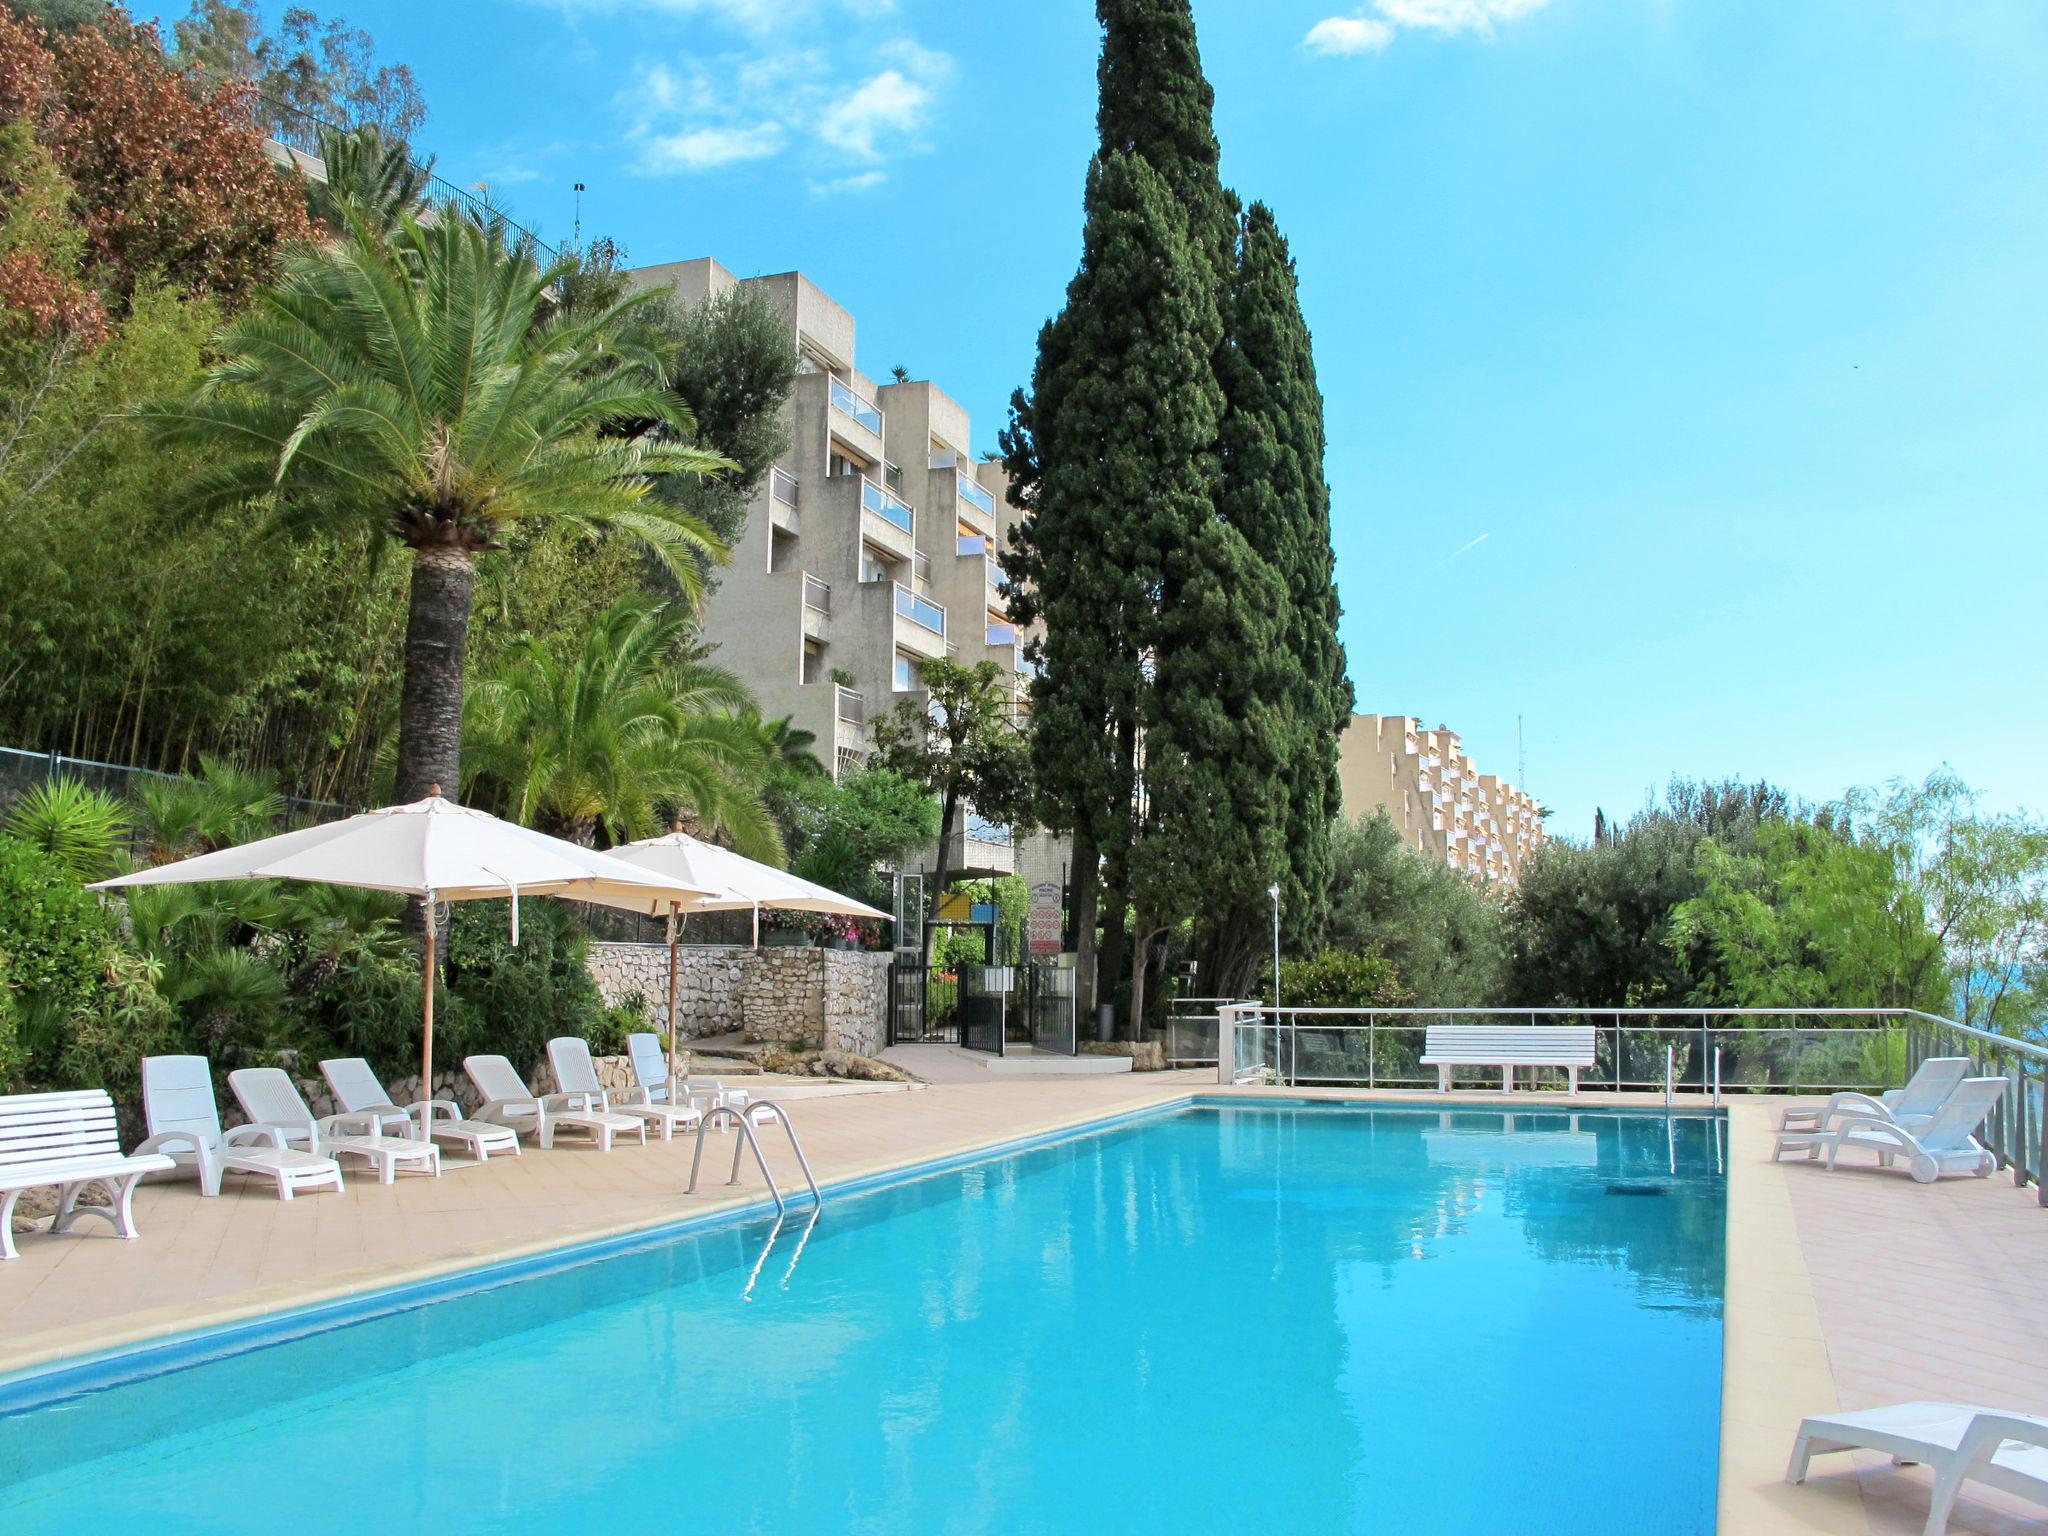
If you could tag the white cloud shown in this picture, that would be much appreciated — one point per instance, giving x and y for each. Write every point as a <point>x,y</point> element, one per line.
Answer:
<point>1368,31</point>
<point>890,102</point>
<point>705,149</point>
<point>860,183</point>
<point>697,110</point>
<point>1348,34</point>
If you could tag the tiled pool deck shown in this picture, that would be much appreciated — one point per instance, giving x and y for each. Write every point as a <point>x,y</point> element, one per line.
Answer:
<point>1843,1291</point>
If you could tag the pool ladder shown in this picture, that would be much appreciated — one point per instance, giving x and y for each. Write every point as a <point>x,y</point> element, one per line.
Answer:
<point>743,1119</point>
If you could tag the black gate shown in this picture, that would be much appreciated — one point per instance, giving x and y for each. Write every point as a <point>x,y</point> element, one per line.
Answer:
<point>983,1006</point>
<point>907,988</point>
<point>1051,1005</point>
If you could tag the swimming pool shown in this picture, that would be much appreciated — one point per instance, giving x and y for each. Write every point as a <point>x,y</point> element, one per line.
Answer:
<point>1287,1317</point>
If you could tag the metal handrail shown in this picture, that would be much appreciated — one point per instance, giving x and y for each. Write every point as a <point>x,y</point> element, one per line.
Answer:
<point>2016,1131</point>
<point>745,1123</point>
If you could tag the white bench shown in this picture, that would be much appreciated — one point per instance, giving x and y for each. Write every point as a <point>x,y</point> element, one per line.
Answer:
<point>68,1140</point>
<point>1507,1046</point>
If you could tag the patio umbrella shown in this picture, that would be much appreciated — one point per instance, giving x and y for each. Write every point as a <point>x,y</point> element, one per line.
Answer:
<point>436,850</point>
<point>735,884</point>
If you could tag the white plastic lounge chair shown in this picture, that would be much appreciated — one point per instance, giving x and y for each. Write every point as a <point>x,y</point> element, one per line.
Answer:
<point>184,1122</point>
<point>508,1101</point>
<point>1911,1106</point>
<point>2008,1451</point>
<point>576,1077</point>
<point>68,1140</point>
<point>1945,1144</point>
<point>358,1092</point>
<point>268,1096</point>
<point>650,1066</point>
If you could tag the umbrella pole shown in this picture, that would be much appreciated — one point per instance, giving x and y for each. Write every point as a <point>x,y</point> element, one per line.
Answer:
<point>673,1024</point>
<point>427,1027</point>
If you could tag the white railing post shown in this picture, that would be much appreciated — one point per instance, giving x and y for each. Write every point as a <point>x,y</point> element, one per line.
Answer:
<point>1668,1053</point>
<point>1226,1044</point>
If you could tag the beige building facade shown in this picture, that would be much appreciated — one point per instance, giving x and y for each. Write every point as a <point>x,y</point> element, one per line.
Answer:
<point>870,549</point>
<point>1445,808</point>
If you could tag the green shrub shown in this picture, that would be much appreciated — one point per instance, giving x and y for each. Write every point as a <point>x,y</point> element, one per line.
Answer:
<point>81,1008</point>
<point>1340,978</point>
<point>10,1034</point>
<point>511,1002</point>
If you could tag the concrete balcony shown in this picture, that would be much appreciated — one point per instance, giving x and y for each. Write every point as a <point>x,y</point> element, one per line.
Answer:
<point>887,521</point>
<point>982,850</point>
<point>920,623</point>
<point>977,502</point>
<point>782,502</point>
<point>856,419</point>
<point>849,720</point>
<point>817,609</point>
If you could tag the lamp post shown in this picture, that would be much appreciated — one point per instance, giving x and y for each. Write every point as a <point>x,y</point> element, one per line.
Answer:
<point>1274,892</point>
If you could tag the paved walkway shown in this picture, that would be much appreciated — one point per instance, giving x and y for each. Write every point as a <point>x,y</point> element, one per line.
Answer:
<point>1937,1293</point>
<point>1843,1290</point>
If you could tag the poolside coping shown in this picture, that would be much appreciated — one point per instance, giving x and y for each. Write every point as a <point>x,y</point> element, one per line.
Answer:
<point>204,1264</point>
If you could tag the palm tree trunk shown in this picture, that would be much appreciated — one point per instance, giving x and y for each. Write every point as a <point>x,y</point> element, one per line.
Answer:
<point>436,642</point>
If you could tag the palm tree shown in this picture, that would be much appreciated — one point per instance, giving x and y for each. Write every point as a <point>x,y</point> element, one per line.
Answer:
<point>366,171</point>
<point>415,384</point>
<point>791,745</point>
<point>622,735</point>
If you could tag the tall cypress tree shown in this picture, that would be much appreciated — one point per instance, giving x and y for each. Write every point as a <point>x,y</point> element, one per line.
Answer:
<point>1112,457</point>
<point>1274,494</point>
<point>1156,103</point>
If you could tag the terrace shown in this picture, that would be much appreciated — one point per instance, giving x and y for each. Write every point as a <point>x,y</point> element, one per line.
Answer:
<point>1805,1329</point>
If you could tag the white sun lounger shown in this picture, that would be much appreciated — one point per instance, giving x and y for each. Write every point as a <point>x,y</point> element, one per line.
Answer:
<point>2007,1451</point>
<point>184,1123</point>
<point>269,1097</point>
<point>508,1101</point>
<point>68,1140</point>
<point>1945,1144</point>
<point>358,1092</point>
<point>650,1066</point>
<point>576,1077</point>
<point>1911,1106</point>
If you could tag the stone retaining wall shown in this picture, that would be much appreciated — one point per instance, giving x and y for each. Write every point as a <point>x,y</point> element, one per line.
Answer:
<point>784,994</point>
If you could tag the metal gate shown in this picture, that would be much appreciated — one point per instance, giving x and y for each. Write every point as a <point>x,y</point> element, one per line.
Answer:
<point>909,987</point>
<point>1051,1006</point>
<point>983,1007</point>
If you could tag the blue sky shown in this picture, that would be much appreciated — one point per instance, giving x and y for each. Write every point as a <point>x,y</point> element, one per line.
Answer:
<point>1684,358</point>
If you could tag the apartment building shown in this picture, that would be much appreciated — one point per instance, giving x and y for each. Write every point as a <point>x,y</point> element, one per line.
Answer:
<point>870,550</point>
<point>1476,823</point>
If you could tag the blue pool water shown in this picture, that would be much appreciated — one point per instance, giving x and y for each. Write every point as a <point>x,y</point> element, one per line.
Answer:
<point>1214,1319</point>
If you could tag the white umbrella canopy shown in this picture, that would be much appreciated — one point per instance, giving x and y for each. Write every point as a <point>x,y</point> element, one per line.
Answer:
<point>437,850</point>
<point>737,884</point>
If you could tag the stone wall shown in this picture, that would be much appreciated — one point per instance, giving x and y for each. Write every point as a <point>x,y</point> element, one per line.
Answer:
<point>708,983</point>
<point>856,986</point>
<point>785,994</point>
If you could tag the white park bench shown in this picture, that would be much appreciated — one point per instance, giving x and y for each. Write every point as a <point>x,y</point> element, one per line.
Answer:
<point>1507,1046</point>
<point>66,1140</point>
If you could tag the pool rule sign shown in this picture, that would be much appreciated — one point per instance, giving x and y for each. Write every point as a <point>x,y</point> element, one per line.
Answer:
<point>1046,914</point>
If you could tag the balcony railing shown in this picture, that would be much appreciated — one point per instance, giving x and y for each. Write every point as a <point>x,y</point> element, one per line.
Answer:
<point>975,494</point>
<point>849,705</point>
<point>817,593</point>
<point>921,568</point>
<point>847,403</point>
<point>886,505</point>
<point>921,611</point>
<point>981,830</point>
<point>973,544</point>
<point>782,486</point>
<point>1002,634</point>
